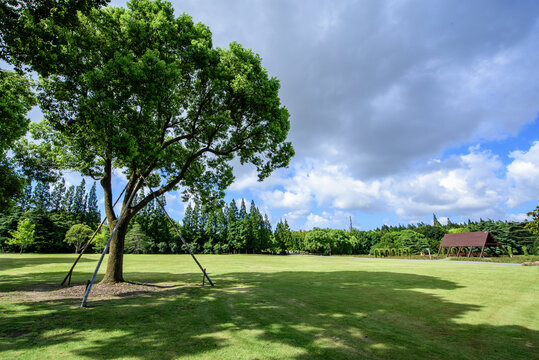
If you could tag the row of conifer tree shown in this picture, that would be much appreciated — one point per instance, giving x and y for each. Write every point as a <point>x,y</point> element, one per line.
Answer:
<point>230,229</point>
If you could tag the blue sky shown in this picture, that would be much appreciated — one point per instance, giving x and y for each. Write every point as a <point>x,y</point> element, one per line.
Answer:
<point>399,109</point>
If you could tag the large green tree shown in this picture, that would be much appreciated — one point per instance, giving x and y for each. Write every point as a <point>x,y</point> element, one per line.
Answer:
<point>16,100</point>
<point>147,93</point>
<point>32,37</point>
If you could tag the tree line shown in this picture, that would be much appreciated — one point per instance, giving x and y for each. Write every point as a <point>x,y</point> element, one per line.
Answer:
<point>51,209</point>
<point>62,218</point>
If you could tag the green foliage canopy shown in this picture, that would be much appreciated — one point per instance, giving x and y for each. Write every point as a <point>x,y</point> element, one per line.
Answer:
<point>533,225</point>
<point>150,93</point>
<point>24,235</point>
<point>16,100</point>
<point>146,92</point>
<point>78,235</point>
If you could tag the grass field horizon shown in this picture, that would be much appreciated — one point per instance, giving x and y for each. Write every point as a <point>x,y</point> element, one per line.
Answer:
<point>272,307</point>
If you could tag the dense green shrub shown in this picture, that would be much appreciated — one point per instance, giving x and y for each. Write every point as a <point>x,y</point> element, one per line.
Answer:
<point>163,247</point>
<point>175,248</point>
<point>510,251</point>
<point>207,248</point>
<point>415,241</point>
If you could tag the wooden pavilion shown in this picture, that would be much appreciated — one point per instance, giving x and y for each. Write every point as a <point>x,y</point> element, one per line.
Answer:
<point>470,240</point>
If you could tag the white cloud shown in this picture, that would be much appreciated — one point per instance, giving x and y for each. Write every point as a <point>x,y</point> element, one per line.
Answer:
<point>335,220</point>
<point>471,185</point>
<point>523,174</point>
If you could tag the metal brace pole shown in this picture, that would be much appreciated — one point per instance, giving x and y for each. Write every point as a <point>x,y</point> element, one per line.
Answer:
<point>180,235</point>
<point>89,288</point>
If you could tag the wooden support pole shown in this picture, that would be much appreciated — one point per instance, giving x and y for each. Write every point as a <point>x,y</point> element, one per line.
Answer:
<point>203,276</point>
<point>88,244</point>
<point>482,251</point>
<point>470,252</point>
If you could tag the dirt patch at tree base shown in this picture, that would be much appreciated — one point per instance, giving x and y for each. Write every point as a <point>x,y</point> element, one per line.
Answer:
<point>47,292</point>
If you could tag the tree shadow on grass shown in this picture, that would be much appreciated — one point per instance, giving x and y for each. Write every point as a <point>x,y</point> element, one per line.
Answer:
<point>27,260</point>
<point>297,315</point>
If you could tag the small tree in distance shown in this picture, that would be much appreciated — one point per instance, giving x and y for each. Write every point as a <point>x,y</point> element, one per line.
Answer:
<point>78,235</point>
<point>533,226</point>
<point>24,235</point>
<point>136,241</point>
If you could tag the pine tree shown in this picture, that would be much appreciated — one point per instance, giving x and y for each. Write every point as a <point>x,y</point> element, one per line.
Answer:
<point>26,200</point>
<point>435,221</point>
<point>233,225</point>
<point>57,196</point>
<point>93,215</point>
<point>187,222</point>
<point>41,197</point>
<point>266,238</point>
<point>279,238</point>
<point>243,228</point>
<point>197,224</point>
<point>221,227</point>
<point>136,240</point>
<point>67,201</point>
<point>209,233</point>
<point>78,206</point>
<point>254,227</point>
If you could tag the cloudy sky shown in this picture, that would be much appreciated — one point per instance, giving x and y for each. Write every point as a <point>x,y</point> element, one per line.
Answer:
<point>399,109</point>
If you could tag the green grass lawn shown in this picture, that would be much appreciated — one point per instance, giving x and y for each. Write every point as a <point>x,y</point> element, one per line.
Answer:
<point>274,307</point>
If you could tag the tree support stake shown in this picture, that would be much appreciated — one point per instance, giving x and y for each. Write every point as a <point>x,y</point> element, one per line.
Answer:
<point>180,235</point>
<point>120,218</point>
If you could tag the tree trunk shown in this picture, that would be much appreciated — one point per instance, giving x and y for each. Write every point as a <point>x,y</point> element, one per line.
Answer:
<point>114,273</point>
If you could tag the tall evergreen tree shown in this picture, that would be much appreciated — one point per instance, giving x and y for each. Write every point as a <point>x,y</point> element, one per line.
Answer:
<point>57,196</point>
<point>243,228</point>
<point>221,227</point>
<point>435,221</point>
<point>25,201</point>
<point>78,206</point>
<point>41,197</point>
<point>187,222</point>
<point>266,240</point>
<point>197,224</point>
<point>93,215</point>
<point>233,226</point>
<point>67,201</point>
<point>279,238</point>
<point>255,222</point>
